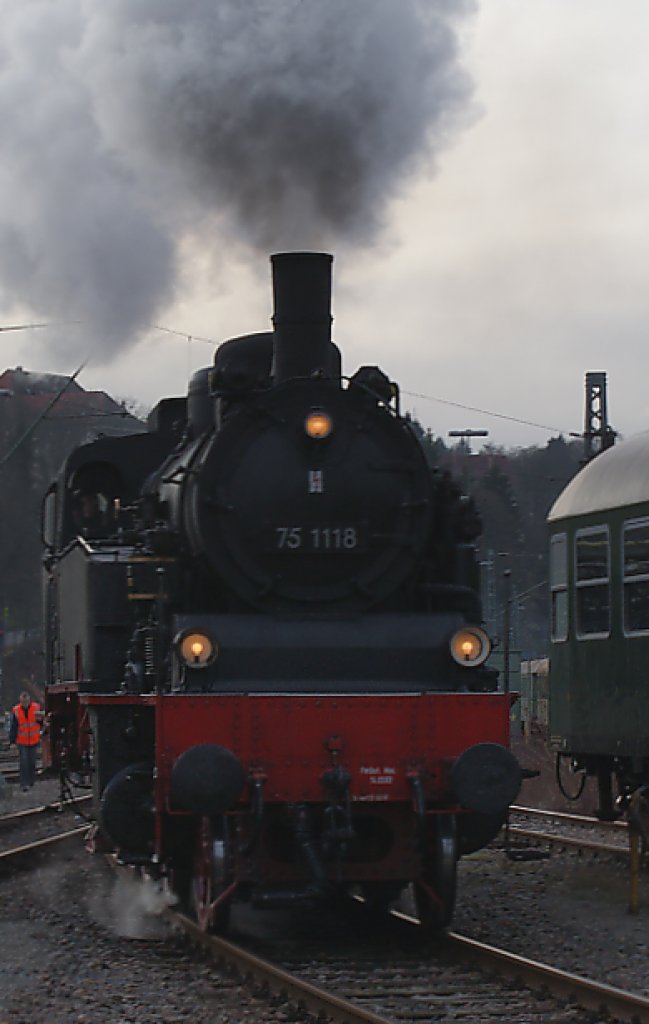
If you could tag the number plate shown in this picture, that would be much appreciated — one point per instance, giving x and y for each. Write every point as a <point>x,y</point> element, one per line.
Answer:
<point>317,539</point>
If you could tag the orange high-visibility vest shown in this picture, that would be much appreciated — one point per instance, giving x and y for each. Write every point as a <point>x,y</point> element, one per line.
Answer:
<point>29,730</point>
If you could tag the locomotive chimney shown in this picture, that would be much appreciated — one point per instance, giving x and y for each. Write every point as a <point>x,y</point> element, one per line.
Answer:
<point>302,318</point>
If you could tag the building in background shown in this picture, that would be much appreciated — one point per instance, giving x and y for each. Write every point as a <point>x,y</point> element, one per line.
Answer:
<point>43,416</point>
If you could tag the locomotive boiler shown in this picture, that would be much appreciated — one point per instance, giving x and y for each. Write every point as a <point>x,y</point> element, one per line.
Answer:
<point>264,634</point>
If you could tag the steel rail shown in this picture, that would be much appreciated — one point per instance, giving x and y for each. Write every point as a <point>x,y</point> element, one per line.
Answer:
<point>12,774</point>
<point>586,993</point>
<point>16,852</point>
<point>579,819</point>
<point>591,995</point>
<point>268,976</point>
<point>29,812</point>
<point>557,840</point>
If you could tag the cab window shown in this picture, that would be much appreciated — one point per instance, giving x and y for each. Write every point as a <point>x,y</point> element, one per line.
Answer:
<point>592,582</point>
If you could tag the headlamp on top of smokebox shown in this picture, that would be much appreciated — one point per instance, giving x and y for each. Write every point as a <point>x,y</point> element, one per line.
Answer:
<point>318,424</point>
<point>196,649</point>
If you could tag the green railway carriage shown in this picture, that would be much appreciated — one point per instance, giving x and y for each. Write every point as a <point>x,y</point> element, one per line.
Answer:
<point>599,586</point>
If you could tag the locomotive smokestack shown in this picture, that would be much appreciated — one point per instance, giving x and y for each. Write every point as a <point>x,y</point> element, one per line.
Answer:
<point>302,318</point>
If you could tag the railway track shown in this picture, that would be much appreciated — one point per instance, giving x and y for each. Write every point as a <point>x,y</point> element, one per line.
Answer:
<point>453,979</point>
<point>9,768</point>
<point>58,807</point>
<point>11,773</point>
<point>13,855</point>
<point>29,830</point>
<point>577,819</point>
<point>618,1003</point>
<point>378,978</point>
<point>605,837</point>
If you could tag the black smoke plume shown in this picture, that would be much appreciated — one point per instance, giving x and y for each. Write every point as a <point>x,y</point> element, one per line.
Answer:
<point>129,126</point>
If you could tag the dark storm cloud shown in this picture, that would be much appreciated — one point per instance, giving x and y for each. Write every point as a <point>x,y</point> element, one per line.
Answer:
<point>130,124</point>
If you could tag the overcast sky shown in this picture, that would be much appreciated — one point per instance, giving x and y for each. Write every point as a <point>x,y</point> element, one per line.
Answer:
<point>493,272</point>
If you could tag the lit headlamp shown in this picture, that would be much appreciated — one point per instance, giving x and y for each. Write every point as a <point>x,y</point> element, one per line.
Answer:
<point>318,424</point>
<point>470,646</point>
<point>196,649</point>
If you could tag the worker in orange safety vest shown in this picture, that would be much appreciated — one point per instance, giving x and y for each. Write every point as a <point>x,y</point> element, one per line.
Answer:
<point>25,732</point>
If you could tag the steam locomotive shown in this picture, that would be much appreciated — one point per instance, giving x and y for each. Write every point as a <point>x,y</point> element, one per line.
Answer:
<point>263,634</point>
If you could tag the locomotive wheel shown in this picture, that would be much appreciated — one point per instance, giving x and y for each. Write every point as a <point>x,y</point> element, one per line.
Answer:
<point>212,885</point>
<point>435,890</point>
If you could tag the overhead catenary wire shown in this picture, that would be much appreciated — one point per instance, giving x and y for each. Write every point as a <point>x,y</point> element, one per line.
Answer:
<point>412,394</point>
<point>29,327</point>
<point>490,412</point>
<point>39,418</point>
<point>189,337</point>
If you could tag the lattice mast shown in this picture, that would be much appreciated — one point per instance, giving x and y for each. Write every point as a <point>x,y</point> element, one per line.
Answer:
<point>598,433</point>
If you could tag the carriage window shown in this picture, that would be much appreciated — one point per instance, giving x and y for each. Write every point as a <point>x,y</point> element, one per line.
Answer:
<point>593,599</point>
<point>636,576</point>
<point>559,586</point>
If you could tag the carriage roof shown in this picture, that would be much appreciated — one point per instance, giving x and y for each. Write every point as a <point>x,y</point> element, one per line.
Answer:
<point>616,478</point>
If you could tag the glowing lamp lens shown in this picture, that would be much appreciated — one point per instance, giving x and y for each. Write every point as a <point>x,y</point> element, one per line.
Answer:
<point>318,424</point>
<point>196,649</point>
<point>470,646</point>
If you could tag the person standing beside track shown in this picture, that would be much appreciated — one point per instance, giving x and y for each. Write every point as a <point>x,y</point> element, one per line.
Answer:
<point>25,732</point>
